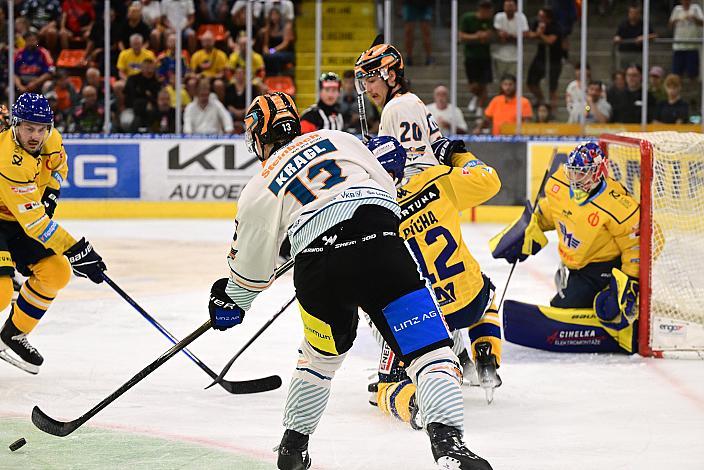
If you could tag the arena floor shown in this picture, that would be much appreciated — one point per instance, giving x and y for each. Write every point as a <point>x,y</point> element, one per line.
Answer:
<point>553,411</point>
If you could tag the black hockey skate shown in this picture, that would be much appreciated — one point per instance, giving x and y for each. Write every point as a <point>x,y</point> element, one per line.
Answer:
<point>293,452</point>
<point>28,358</point>
<point>486,370</point>
<point>469,371</point>
<point>449,451</point>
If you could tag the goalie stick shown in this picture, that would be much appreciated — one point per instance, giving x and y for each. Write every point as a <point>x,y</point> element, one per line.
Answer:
<point>263,384</point>
<point>55,427</point>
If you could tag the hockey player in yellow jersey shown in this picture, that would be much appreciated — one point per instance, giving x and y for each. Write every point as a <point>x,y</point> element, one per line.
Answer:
<point>597,223</point>
<point>431,201</point>
<point>32,167</point>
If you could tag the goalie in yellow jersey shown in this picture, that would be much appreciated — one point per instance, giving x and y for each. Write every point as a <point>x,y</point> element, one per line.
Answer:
<point>431,201</point>
<point>32,167</point>
<point>597,221</point>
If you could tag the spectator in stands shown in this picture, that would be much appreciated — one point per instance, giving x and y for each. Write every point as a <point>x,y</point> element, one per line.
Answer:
<point>192,86</point>
<point>206,115</point>
<point>95,47</point>
<point>629,36</point>
<point>67,96</point>
<point>21,27</point>
<point>173,10</point>
<point>133,24</point>
<point>209,61</point>
<point>212,11</point>
<point>277,42</point>
<point>596,108</point>
<point>686,20</point>
<point>238,58</point>
<point>565,14</point>
<point>476,32</point>
<point>166,62</point>
<point>171,89</point>
<point>673,110</point>
<point>151,14</point>
<point>627,104</point>
<point>444,112</point>
<point>502,108</point>
<point>77,20</point>
<point>350,109</point>
<point>549,55</point>
<point>573,92</point>
<point>89,116</point>
<point>60,118</point>
<point>417,12</point>
<point>44,16</point>
<point>543,113</point>
<point>325,114</point>
<point>163,120</point>
<point>655,83</point>
<point>237,23</point>
<point>618,83</point>
<point>507,24</point>
<point>261,8</point>
<point>33,65</point>
<point>141,91</point>
<point>130,61</point>
<point>236,97</point>
<point>93,79</point>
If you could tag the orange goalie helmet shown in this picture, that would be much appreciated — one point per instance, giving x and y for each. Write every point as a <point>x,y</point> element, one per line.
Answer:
<point>271,118</point>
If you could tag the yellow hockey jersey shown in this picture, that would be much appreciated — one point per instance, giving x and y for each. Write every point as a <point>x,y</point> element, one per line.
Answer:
<point>601,230</point>
<point>23,178</point>
<point>431,202</point>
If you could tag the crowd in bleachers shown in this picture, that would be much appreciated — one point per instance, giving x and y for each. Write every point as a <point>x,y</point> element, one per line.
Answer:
<point>59,51</point>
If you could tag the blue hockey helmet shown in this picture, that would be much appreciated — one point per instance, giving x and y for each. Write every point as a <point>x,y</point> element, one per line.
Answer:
<point>32,107</point>
<point>586,167</point>
<point>389,152</point>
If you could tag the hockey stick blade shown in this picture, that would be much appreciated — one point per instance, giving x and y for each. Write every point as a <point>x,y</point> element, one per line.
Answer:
<point>54,427</point>
<point>242,387</point>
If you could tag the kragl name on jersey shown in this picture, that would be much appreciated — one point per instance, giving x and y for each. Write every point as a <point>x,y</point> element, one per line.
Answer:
<point>298,161</point>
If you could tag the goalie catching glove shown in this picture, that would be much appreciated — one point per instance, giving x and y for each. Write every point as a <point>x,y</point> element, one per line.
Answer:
<point>520,239</point>
<point>224,312</point>
<point>615,306</point>
<point>85,262</point>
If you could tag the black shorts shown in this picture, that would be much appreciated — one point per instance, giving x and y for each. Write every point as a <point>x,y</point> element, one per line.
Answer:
<point>24,250</point>
<point>478,70</point>
<point>367,266</point>
<point>536,73</point>
<point>583,285</point>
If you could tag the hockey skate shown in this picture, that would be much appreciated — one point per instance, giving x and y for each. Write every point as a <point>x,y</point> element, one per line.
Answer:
<point>449,451</point>
<point>469,371</point>
<point>25,356</point>
<point>486,370</point>
<point>293,452</point>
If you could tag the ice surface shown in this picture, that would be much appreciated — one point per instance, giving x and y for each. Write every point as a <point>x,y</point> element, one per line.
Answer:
<point>552,412</point>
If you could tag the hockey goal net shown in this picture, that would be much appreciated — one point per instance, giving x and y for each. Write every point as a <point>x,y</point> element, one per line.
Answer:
<point>665,170</point>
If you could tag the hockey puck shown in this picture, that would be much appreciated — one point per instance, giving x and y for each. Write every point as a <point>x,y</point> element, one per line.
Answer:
<point>17,444</point>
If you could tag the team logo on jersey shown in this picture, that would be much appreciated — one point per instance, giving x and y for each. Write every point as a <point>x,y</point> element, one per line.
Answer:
<point>24,189</point>
<point>566,212</point>
<point>593,219</point>
<point>568,238</point>
<point>16,159</point>
<point>418,203</point>
<point>555,188</point>
<point>29,206</point>
<point>413,153</point>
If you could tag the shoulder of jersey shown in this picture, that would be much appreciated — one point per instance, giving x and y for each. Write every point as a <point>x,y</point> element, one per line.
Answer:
<point>10,170</point>
<point>616,201</point>
<point>429,175</point>
<point>53,143</point>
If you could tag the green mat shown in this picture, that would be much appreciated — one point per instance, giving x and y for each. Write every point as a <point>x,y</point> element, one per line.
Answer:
<point>101,449</point>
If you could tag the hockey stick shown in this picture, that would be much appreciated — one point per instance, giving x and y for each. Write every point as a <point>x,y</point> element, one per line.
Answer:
<point>548,171</point>
<point>263,384</point>
<point>63,428</point>
<point>363,125</point>
<point>219,378</point>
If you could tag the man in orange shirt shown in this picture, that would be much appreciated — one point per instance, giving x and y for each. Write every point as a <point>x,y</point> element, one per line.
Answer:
<point>502,108</point>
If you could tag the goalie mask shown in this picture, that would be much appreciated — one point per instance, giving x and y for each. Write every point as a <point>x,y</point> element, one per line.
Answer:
<point>377,61</point>
<point>271,119</point>
<point>586,168</point>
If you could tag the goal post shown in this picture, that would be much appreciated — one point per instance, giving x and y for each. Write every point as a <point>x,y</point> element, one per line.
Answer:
<point>665,171</point>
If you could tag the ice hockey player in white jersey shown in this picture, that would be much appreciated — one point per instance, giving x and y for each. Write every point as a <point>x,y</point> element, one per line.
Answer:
<point>379,72</point>
<point>337,205</point>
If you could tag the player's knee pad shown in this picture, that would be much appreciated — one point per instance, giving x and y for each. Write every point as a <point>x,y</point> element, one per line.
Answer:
<point>416,324</point>
<point>395,398</point>
<point>50,275</point>
<point>487,329</point>
<point>441,360</point>
<point>315,367</point>
<point>6,291</point>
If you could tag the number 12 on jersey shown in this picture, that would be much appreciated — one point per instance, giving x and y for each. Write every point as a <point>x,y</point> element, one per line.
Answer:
<point>432,236</point>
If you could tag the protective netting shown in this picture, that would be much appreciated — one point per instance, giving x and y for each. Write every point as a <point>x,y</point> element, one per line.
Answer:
<point>676,260</point>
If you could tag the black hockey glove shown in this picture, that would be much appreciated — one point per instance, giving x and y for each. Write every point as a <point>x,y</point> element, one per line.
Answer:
<point>224,312</point>
<point>50,199</point>
<point>85,262</point>
<point>443,148</point>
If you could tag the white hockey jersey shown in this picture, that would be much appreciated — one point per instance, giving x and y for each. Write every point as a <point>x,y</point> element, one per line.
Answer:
<point>406,118</point>
<point>313,183</point>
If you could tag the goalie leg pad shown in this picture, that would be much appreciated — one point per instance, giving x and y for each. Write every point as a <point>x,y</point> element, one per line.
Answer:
<point>520,239</point>
<point>616,305</point>
<point>561,330</point>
